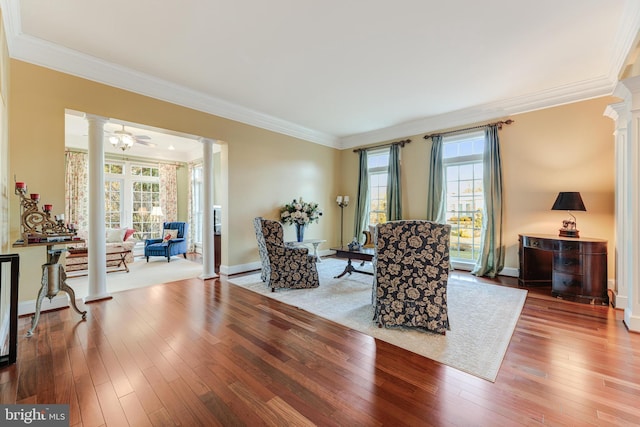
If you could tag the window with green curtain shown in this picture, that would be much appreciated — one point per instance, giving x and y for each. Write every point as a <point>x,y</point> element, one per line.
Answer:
<point>463,170</point>
<point>378,170</point>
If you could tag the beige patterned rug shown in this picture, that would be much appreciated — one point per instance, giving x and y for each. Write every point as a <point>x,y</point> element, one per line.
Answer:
<point>482,317</point>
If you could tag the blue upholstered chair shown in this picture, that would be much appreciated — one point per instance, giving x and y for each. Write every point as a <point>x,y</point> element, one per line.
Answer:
<point>283,266</point>
<point>411,271</point>
<point>171,247</point>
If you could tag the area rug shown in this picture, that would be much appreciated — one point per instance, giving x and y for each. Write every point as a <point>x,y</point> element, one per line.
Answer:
<point>141,274</point>
<point>482,316</point>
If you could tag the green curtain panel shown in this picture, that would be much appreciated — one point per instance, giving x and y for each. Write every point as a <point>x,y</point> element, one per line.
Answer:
<point>436,186</point>
<point>491,259</point>
<point>394,193</point>
<point>362,201</point>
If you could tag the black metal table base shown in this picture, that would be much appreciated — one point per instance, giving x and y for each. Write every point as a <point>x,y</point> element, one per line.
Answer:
<point>351,269</point>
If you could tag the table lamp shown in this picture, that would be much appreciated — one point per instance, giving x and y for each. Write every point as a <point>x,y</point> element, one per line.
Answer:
<point>569,201</point>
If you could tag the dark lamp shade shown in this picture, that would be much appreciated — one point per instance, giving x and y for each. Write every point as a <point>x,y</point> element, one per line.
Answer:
<point>569,201</point>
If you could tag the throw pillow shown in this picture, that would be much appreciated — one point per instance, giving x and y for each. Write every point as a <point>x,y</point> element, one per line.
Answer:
<point>128,233</point>
<point>115,235</point>
<point>168,235</point>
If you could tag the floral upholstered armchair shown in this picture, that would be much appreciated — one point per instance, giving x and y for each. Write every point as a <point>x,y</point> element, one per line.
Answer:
<point>411,268</point>
<point>283,266</point>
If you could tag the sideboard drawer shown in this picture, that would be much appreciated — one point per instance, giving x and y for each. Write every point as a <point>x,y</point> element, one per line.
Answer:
<point>566,246</point>
<point>537,243</point>
<point>570,263</point>
<point>570,284</point>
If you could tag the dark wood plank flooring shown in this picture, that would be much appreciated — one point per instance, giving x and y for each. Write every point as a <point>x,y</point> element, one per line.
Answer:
<point>209,353</point>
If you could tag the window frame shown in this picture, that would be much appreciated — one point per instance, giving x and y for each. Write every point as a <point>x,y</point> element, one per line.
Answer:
<point>127,203</point>
<point>379,215</point>
<point>467,223</point>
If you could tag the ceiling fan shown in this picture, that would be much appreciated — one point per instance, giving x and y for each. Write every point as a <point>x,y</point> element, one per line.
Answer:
<point>124,140</point>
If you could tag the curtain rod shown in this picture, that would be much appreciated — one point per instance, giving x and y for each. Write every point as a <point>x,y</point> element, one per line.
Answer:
<point>400,143</point>
<point>499,124</point>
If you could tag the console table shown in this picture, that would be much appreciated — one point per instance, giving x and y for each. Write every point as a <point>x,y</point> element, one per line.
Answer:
<point>576,268</point>
<point>54,279</point>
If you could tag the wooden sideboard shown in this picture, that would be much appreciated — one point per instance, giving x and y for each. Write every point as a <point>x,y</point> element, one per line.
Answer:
<point>576,268</point>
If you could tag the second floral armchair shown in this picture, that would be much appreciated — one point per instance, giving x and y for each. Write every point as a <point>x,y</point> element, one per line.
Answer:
<point>283,266</point>
<point>411,274</point>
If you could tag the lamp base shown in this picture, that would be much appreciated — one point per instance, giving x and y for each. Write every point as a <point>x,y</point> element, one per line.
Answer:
<point>569,233</point>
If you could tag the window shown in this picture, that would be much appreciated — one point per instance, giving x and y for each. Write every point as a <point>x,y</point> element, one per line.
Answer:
<point>112,202</point>
<point>378,164</point>
<point>114,176</point>
<point>197,206</point>
<point>463,167</point>
<point>131,192</point>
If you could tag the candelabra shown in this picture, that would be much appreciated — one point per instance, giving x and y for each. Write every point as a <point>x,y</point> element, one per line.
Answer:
<point>343,202</point>
<point>38,225</point>
<point>39,229</point>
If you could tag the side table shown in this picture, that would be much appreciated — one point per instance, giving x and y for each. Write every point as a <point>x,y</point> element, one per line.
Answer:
<point>314,242</point>
<point>54,279</point>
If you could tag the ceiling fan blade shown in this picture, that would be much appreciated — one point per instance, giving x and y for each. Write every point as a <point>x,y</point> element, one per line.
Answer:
<point>142,137</point>
<point>146,143</point>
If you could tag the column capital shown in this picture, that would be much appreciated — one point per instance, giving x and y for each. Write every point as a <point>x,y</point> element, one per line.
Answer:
<point>207,140</point>
<point>93,118</point>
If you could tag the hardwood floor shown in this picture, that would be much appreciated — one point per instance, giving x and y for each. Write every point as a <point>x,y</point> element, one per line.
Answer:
<point>210,353</point>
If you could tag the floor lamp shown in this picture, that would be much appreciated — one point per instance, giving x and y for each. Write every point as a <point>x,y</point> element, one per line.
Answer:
<point>156,213</point>
<point>343,202</point>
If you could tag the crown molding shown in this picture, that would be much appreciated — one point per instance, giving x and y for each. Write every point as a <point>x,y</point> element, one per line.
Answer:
<point>49,55</point>
<point>495,110</point>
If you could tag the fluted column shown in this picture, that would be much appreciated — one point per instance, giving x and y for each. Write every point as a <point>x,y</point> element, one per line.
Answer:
<point>620,113</point>
<point>97,239</point>
<point>208,255</point>
<point>627,138</point>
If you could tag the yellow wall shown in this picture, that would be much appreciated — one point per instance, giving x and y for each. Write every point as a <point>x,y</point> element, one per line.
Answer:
<point>260,169</point>
<point>6,183</point>
<point>565,148</point>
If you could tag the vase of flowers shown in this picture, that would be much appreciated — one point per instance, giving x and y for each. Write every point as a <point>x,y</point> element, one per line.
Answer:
<point>300,214</point>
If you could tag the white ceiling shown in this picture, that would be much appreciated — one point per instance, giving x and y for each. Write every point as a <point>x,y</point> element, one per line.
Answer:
<point>156,143</point>
<point>340,73</point>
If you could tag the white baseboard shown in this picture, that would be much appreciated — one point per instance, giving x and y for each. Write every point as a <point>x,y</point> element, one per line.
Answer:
<point>510,272</point>
<point>29,307</point>
<point>240,268</point>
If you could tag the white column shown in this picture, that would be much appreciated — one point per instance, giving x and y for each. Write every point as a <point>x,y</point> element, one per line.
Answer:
<point>627,116</point>
<point>208,255</point>
<point>620,113</point>
<point>97,239</point>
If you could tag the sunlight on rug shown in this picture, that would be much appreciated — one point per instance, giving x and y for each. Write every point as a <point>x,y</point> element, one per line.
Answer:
<point>141,274</point>
<point>482,316</point>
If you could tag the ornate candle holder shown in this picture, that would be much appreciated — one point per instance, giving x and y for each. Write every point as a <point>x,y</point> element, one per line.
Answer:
<point>36,224</point>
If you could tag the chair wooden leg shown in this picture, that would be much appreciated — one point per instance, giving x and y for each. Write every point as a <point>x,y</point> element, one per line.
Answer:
<point>184,255</point>
<point>147,259</point>
<point>169,258</point>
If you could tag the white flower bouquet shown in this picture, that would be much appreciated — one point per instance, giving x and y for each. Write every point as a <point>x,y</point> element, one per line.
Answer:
<point>300,212</point>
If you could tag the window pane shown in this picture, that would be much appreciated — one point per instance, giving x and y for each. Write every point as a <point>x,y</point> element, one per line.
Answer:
<point>146,195</point>
<point>378,163</point>
<point>465,196</point>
